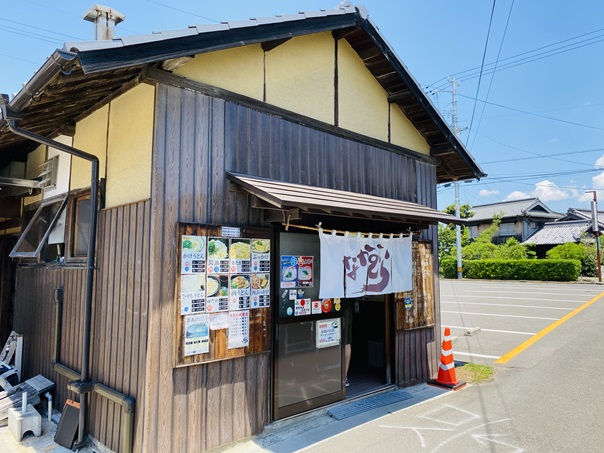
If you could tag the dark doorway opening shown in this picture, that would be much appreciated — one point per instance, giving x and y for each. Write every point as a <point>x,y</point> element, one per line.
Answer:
<point>370,348</point>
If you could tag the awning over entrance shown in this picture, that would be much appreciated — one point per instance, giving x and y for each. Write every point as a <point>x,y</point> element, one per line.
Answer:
<point>319,200</point>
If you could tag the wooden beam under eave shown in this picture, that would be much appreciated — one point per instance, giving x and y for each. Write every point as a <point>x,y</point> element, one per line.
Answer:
<point>403,96</point>
<point>270,45</point>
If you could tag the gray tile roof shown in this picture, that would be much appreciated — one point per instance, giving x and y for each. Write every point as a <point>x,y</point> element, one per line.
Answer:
<point>512,209</point>
<point>206,28</point>
<point>555,233</point>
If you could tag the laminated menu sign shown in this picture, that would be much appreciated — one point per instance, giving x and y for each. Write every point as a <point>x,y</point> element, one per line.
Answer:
<point>328,333</point>
<point>239,292</point>
<point>240,256</point>
<point>261,255</point>
<point>239,329</point>
<point>261,291</point>
<point>217,293</point>
<point>197,334</point>
<point>218,255</point>
<point>192,293</point>
<point>193,255</point>
<point>296,271</point>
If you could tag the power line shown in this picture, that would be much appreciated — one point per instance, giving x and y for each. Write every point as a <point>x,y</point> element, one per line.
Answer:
<point>484,55</point>
<point>531,113</point>
<point>549,156</point>
<point>517,62</point>
<point>493,73</point>
<point>182,11</point>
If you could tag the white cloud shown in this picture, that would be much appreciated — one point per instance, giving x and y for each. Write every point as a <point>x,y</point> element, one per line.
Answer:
<point>517,195</point>
<point>545,191</point>
<point>549,191</point>
<point>488,193</point>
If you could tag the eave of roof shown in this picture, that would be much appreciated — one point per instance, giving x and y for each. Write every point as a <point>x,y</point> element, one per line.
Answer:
<point>102,67</point>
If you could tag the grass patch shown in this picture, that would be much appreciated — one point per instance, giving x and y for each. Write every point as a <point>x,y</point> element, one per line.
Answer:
<point>475,374</point>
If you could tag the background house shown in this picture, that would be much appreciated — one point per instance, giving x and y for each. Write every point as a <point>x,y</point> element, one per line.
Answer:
<point>519,219</point>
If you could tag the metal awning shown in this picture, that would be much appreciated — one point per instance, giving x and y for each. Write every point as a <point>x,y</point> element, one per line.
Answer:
<point>320,200</point>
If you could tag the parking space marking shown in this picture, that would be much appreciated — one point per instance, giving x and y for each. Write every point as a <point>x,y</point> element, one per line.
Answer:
<point>517,350</point>
<point>506,305</point>
<point>502,316</point>
<point>482,356</point>
<point>520,298</point>
<point>495,330</point>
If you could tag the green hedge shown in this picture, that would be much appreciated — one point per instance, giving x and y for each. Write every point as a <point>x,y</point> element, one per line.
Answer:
<point>546,270</point>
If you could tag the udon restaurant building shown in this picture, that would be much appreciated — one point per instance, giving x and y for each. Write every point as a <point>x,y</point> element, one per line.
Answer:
<point>237,224</point>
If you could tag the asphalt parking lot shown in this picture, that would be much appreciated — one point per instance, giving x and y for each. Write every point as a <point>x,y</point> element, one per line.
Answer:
<point>504,313</point>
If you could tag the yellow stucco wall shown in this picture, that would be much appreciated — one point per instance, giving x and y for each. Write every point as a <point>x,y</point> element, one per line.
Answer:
<point>33,168</point>
<point>129,148</point>
<point>300,76</point>
<point>240,70</point>
<point>363,106</point>
<point>90,137</point>
<point>403,133</point>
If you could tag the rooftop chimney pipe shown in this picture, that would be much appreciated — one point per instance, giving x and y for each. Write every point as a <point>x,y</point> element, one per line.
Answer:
<point>105,19</point>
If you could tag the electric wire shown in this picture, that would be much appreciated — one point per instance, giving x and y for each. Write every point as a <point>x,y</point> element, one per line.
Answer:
<point>484,55</point>
<point>484,105</point>
<point>182,11</point>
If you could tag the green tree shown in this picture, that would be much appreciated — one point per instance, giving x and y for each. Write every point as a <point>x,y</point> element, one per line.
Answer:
<point>447,236</point>
<point>581,251</point>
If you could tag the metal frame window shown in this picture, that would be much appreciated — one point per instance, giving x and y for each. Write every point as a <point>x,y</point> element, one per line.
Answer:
<point>78,221</point>
<point>36,233</point>
<point>507,229</point>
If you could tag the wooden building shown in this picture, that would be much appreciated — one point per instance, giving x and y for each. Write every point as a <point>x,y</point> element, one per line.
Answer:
<point>222,134</point>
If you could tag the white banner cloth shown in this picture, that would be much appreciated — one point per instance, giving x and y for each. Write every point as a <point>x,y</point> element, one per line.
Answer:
<point>332,265</point>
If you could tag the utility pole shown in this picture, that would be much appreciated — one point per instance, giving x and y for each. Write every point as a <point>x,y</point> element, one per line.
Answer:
<point>456,130</point>
<point>595,226</point>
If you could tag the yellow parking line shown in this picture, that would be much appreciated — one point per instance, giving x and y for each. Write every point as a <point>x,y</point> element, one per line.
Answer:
<point>517,350</point>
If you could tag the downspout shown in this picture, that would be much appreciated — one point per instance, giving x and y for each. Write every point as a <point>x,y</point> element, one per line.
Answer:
<point>13,118</point>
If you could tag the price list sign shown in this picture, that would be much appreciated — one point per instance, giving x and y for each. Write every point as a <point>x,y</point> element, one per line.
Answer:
<point>218,256</point>
<point>240,256</point>
<point>193,255</point>
<point>239,292</point>
<point>239,329</point>
<point>261,255</point>
<point>192,293</point>
<point>217,290</point>
<point>261,290</point>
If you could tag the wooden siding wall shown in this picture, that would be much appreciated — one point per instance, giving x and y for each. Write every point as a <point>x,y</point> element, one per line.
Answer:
<point>7,279</point>
<point>34,317</point>
<point>119,319</point>
<point>197,139</point>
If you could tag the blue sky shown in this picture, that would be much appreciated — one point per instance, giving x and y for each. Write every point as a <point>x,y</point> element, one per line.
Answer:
<point>535,124</point>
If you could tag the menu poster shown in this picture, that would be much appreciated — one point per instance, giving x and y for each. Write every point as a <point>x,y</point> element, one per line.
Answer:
<point>302,307</point>
<point>239,292</point>
<point>305,271</point>
<point>192,293</point>
<point>217,293</point>
<point>289,271</point>
<point>240,256</point>
<point>261,255</point>
<point>197,334</point>
<point>239,329</point>
<point>218,255</point>
<point>296,271</point>
<point>261,290</point>
<point>328,333</point>
<point>193,255</point>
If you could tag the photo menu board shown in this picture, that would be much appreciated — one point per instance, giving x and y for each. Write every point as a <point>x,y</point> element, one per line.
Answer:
<point>224,274</point>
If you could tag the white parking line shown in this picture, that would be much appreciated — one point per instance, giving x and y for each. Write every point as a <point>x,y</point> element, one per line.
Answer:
<point>495,330</point>
<point>484,356</point>
<point>521,298</point>
<point>572,291</point>
<point>507,305</point>
<point>496,315</point>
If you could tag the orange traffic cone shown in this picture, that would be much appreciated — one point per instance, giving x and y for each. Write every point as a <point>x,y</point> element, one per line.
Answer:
<point>446,371</point>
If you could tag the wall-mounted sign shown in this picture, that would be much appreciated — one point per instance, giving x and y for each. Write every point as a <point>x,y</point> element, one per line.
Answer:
<point>297,271</point>
<point>328,333</point>
<point>197,334</point>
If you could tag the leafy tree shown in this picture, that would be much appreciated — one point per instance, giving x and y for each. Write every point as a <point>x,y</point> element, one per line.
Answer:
<point>586,254</point>
<point>447,237</point>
